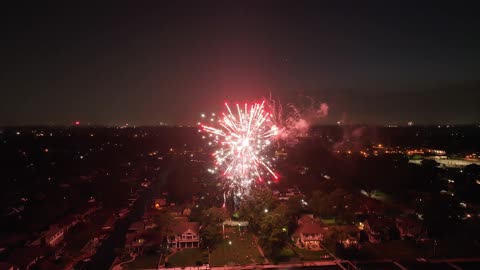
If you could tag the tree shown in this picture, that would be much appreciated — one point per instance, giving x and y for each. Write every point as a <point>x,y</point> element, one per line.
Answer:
<point>429,175</point>
<point>214,216</point>
<point>466,184</point>
<point>429,163</point>
<point>165,222</point>
<point>268,219</point>
<point>273,232</point>
<point>319,203</point>
<point>211,226</point>
<point>472,169</point>
<point>211,235</point>
<point>339,204</point>
<point>295,206</point>
<point>441,215</point>
<point>255,205</point>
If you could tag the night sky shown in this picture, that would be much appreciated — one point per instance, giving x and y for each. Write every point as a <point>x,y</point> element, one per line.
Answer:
<point>379,63</point>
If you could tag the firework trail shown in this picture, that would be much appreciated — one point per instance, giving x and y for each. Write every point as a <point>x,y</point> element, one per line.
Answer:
<point>243,136</point>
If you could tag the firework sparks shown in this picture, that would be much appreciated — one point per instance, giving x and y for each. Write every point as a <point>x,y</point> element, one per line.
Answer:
<point>243,135</point>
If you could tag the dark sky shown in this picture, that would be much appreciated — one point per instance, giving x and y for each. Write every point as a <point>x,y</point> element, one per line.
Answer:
<point>372,62</point>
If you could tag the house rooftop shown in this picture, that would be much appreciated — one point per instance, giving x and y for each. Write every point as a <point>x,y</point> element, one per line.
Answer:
<point>310,228</point>
<point>305,219</point>
<point>182,227</point>
<point>308,225</point>
<point>54,229</point>
<point>308,219</point>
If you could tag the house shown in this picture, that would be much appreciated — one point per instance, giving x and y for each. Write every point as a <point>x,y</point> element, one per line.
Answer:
<point>54,235</point>
<point>351,238</point>
<point>134,242</point>
<point>380,229</point>
<point>160,203</point>
<point>7,266</point>
<point>150,224</point>
<point>304,219</point>
<point>309,232</point>
<point>109,224</point>
<point>350,242</point>
<point>138,226</point>
<point>185,235</point>
<point>27,257</point>
<point>146,183</point>
<point>186,212</point>
<point>178,211</point>
<point>410,228</point>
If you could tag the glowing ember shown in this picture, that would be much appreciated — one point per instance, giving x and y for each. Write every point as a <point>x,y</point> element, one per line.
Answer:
<point>243,137</point>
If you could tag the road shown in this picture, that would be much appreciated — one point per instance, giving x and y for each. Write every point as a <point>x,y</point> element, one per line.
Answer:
<point>106,254</point>
<point>260,266</point>
<point>340,263</point>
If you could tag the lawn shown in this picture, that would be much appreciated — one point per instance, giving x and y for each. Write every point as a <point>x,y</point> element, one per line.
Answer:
<point>145,261</point>
<point>241,251</point>
<point>287,255</point>
<point>187,257</point>
<point>329,221</point>
<point>310,255</point>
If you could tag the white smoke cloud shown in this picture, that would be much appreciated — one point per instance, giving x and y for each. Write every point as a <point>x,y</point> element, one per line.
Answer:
<point>294,120</point>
